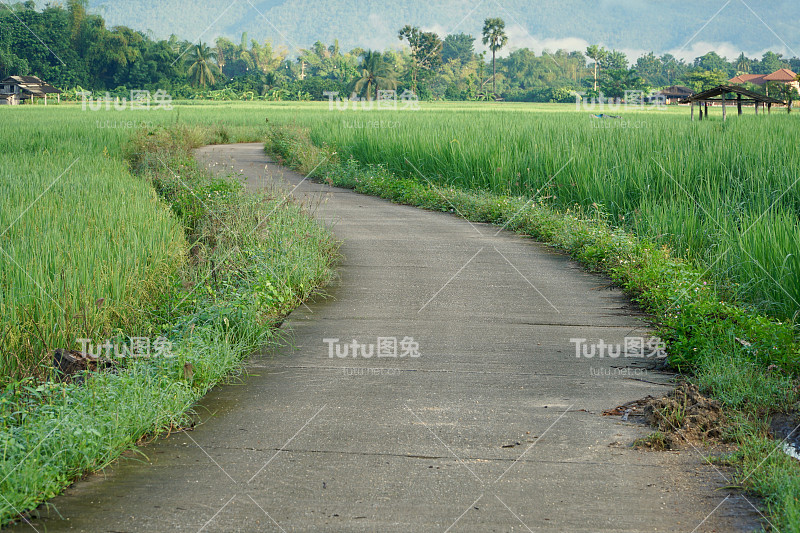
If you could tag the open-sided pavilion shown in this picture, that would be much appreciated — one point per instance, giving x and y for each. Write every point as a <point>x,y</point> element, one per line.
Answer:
<point>718,95</point>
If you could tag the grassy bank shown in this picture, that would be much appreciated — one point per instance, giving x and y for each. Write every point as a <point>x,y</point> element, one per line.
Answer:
<point>746,360</point>
<point>240,262</point>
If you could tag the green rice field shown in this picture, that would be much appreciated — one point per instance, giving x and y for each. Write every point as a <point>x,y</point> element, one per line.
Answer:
<point>725,195</point>
<point>76,228</point>
<point>88,249</point>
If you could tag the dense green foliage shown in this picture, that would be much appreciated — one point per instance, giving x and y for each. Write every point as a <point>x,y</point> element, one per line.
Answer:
<point>70,48</point>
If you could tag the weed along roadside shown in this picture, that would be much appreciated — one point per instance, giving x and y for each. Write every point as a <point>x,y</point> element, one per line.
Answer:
<point>224,267</point>
<point>743,360</point>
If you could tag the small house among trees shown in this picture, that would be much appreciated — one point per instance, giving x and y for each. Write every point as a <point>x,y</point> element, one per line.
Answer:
<point>674,94</point>
<point>784,76</point>
<point>755,79</point>
<point>16,89</point>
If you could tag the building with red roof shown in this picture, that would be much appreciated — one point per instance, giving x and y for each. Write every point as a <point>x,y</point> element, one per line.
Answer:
<point>783,75</point>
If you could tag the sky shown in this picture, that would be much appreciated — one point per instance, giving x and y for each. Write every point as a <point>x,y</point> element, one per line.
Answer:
<point>635,27</point>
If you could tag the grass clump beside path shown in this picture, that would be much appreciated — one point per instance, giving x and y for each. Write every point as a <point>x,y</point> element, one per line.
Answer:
<point>246,261</point>
<point>747,361</point>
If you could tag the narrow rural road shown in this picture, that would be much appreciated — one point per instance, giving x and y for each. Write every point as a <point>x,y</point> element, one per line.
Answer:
<point>495,426</point>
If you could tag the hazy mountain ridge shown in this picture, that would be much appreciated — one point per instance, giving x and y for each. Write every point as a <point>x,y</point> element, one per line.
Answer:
<point>622,24</point>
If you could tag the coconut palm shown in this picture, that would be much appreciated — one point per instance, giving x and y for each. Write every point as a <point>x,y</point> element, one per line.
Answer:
<point>597,54</point>
<point>494,35</point>
<point>376,74</point>
<point>743,64</point>
<point>202,69</point>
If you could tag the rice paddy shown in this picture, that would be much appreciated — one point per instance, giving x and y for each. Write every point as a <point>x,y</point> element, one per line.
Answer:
<point>87,247</point>
<point>724,195</point>
<point>84,246</point>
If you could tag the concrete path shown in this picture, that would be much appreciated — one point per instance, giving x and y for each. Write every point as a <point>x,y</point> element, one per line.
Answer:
<point>496,426</point>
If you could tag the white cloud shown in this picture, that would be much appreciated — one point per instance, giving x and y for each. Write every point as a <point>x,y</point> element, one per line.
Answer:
<point>724,49</point>
<point>438,29</point>
<point>379,32</point>
<point>518,38</point>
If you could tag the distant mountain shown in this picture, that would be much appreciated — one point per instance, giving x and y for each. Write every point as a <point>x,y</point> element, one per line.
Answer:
<point>630,25</point>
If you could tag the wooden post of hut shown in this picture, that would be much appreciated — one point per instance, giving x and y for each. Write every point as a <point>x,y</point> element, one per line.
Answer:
<point>769,108</point>
<point>739,104</point>
<point>692,104</point>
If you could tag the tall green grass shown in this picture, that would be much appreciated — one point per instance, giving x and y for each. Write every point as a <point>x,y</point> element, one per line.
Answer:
<point>725,195</point>
<point>85,247</point>
<point>696,188</point>
<point>752,378</point>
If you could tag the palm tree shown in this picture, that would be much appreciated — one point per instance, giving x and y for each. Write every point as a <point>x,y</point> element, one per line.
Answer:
<point>597,54</point>
<point>264,57</point>
<point>376,74</point>
<point>202,69</point>
<point>743,64</point>
<point>494,35</point>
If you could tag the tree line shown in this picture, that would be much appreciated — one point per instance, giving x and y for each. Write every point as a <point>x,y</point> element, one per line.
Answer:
<point>73,49</point>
